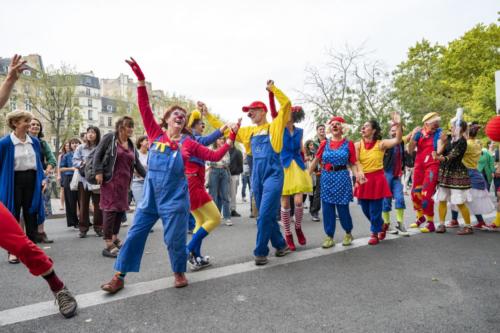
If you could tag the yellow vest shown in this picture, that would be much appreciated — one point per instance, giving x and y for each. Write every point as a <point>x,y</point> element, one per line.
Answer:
<point>371,159</point>
<point>472,154</point>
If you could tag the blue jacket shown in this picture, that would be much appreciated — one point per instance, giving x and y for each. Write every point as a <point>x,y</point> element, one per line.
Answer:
<point>291,148</point>
<point>7,178</point>
<point>205,140</point>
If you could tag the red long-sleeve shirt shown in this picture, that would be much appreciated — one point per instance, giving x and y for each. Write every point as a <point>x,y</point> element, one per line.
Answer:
<point>189,147</point>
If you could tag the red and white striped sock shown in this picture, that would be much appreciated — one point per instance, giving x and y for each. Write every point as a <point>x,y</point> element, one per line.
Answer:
<point>285,218</point>
<point>299,213</point>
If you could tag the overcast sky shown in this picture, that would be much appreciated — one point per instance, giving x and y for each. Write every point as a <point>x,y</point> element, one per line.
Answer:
<point>222,52</point>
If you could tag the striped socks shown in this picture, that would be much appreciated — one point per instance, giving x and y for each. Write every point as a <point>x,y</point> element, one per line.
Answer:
<point>285,218</point>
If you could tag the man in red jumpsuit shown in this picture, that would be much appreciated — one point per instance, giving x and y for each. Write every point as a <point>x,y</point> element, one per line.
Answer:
<point>425,172</point>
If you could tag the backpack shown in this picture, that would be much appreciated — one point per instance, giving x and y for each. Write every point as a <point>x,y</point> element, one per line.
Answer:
<point>87,169</point>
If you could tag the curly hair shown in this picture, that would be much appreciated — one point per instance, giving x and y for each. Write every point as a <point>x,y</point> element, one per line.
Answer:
<point>167,114</point>
<point>297,114</point>
<point>376,127</point>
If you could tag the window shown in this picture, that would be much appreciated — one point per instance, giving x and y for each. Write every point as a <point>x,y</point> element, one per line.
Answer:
<point>109,108</point>
<point>101,121</point>
<point>87,91</point>
<point>13,103</point>
<point>89,102</point>
<point>27,72</point>
<point>27,104</point>
<point>110,121</point>
<point>90,115</point>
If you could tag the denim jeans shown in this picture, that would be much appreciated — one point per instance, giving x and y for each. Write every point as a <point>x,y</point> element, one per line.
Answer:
<point>218,187</point>
<point>245,181</point>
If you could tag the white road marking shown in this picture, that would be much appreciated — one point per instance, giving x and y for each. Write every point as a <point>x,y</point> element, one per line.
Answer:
<point>44,309</point>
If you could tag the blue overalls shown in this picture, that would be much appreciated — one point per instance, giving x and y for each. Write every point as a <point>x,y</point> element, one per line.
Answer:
<point>166,196</point>
<point>267,183</point>
<point>336,189</point>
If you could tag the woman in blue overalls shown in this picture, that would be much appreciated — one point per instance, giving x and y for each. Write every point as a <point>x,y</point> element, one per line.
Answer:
<point>166,193</point>
<point>266,141</point>
<point>335,155</point>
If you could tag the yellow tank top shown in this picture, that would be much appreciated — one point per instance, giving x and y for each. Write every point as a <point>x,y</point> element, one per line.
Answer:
<point>472,154</point>
<point>371,159</point>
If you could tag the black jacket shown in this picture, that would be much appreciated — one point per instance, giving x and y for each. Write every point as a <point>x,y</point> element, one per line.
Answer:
<point>235,161</point>
<point>105,157</point>
<point>389,158</point>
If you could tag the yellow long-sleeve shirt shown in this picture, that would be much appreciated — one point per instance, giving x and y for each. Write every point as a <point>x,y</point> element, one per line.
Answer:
<point>275,129</point>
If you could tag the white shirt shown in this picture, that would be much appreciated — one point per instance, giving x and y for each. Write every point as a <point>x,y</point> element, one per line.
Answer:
<point>24,153</point>
<point>143,158</point>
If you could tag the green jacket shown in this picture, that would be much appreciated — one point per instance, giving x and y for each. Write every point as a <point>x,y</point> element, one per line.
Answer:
<point>47,155</point>
<point>486,164</point>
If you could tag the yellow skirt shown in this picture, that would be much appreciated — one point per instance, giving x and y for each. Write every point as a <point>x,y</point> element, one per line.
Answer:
<point>296,180</point>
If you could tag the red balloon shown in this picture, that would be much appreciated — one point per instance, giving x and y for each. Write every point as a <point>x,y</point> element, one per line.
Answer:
<point>493,128</point>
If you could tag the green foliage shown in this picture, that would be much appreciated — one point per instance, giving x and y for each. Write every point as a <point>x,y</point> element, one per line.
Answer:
<point>436,78</point>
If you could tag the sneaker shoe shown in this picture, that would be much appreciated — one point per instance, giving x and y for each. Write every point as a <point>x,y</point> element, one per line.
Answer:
<point>493,227</point>
<point>115,285</point>
<point>328,243</point>
<point>99,233</point>
<point>282,252</point>
<point>260,260</point>
<point>418,222</point>
<point>228,222</point>
<point>480,226</point>
<point>429,228</point>
<point>235,214</point>
<point>441,229</point>
<point>67,303</point>
<point>452,224</point>
<point>401,230</point>
<point>300,236</point>
<point>198,263</point>
<point>180,280</point>
<point>373,239</point>
<point>381,235</point>
<point>289,242</point>
<point>82,234</point>
<point>110,252</point>
<point>315,217</point>
<point>467,230</point>
<point>125,224</point>
<point>347,240</point>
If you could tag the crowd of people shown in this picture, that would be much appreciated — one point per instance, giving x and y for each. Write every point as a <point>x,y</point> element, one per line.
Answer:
<point>189,180</point>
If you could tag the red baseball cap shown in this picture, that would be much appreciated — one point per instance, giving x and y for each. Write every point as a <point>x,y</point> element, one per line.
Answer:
<point>255,105</point>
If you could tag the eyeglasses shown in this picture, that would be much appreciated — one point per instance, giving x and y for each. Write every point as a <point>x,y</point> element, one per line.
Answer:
<point>179,114</point>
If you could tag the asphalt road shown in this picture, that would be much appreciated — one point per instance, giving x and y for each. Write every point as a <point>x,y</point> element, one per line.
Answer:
<point>425,283</point>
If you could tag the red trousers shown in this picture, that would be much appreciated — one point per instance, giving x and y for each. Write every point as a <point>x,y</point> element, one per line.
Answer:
<point>15,241</point>
<point>425,179</point>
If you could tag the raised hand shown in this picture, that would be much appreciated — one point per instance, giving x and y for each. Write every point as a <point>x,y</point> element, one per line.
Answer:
<point>136,69</point>
<point>234,130</point>
<point>270,84</point>
<point>202,107</point>
<point>16,67</point>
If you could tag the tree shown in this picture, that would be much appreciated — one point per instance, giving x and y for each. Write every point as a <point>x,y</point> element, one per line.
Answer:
<point>468,66</point>
<point>54,101</point>
<point>352,86</point>
<point>418,85</point>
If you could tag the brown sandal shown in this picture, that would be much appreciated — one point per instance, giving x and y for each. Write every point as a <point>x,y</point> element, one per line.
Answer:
<point>467,230</point>
<point>111,251</point>
<point>113,286</point>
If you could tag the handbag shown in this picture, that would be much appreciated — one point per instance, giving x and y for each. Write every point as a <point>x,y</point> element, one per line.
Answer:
<point>73,185</point>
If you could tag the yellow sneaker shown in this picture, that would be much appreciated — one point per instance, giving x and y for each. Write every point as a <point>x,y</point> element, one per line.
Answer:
<point>328,243</point>
<point>347,240</point>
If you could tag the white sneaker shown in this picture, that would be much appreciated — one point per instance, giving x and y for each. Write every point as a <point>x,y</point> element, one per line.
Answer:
<point>228,222</point>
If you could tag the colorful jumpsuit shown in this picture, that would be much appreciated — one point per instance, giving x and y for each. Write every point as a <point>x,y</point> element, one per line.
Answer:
<point>166,194</point>
<point>425,175</point>
<point>336,184</point>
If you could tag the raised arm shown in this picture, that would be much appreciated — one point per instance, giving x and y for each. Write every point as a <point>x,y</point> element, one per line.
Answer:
<point>278,124</point>
<point>389,143</point>
<point>272,105</point>
<point>210,138</point>
<point>15,68</point>
<point>150,125</point>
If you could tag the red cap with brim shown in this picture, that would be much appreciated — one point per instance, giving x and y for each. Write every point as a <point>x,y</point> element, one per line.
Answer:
<point>255,105</point>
